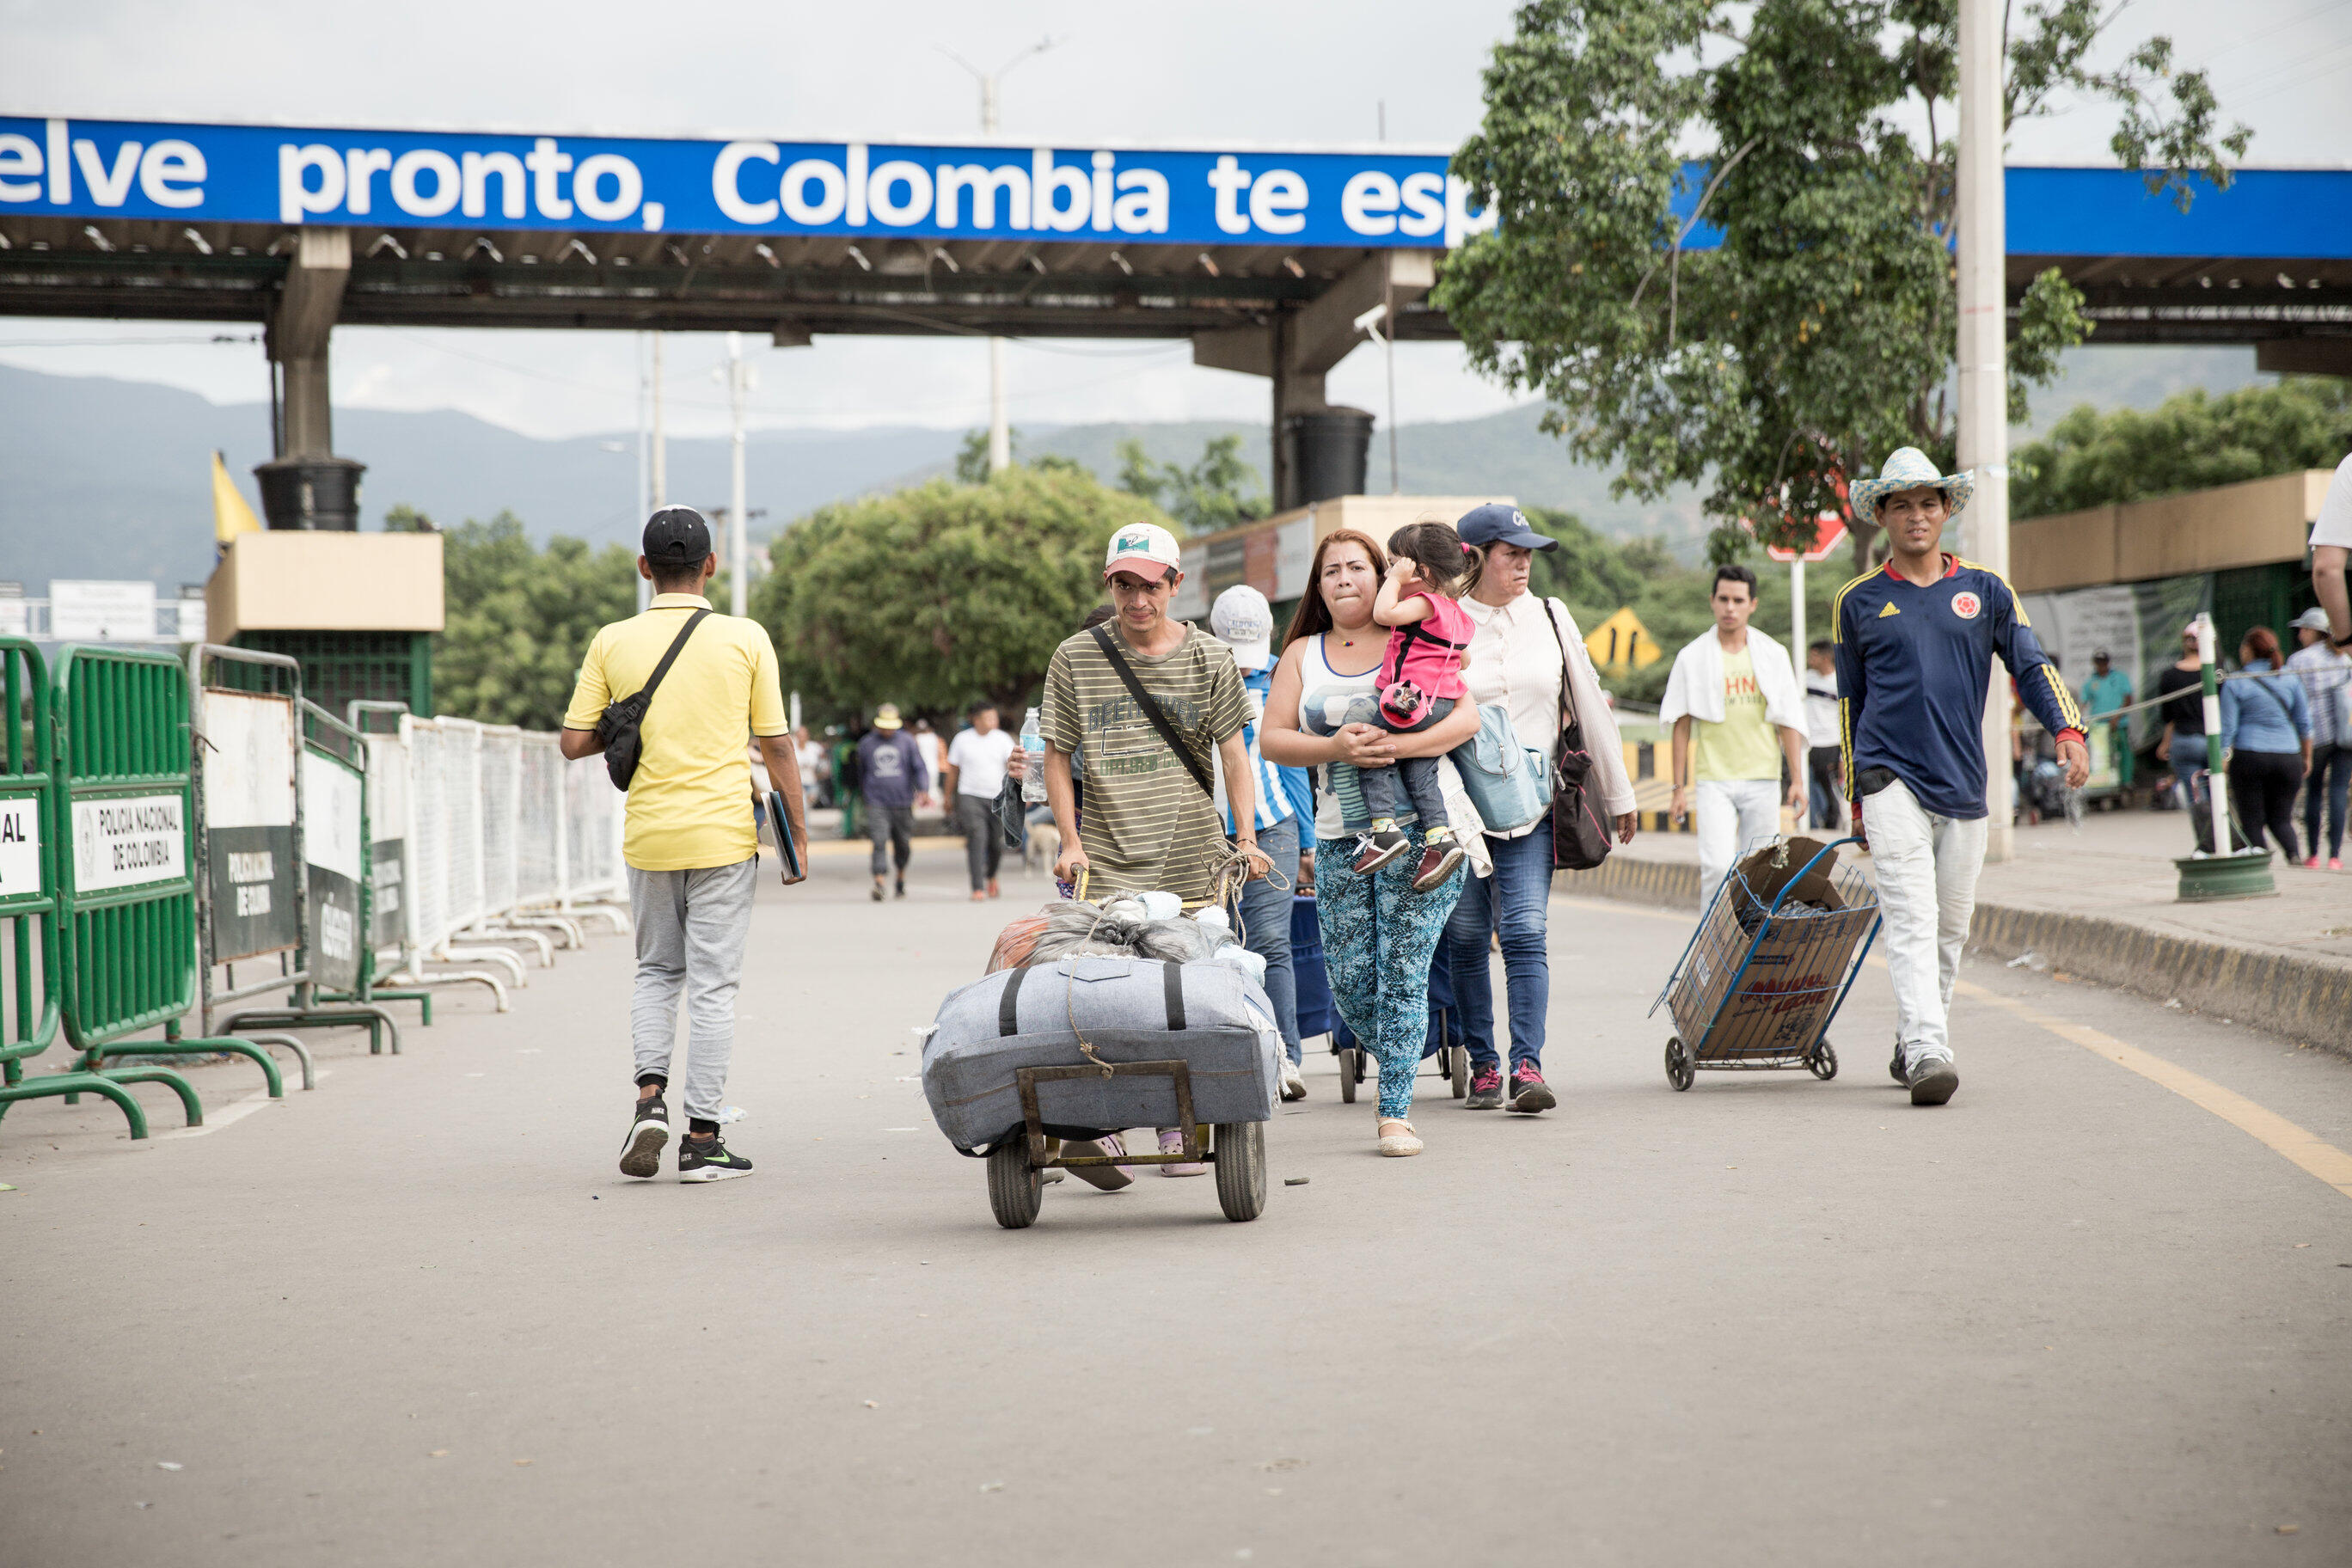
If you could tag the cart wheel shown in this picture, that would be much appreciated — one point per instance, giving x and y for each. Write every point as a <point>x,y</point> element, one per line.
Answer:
<point>1240,1158</point>
<point>1014,1188</point>
<point>1350,1074</point>
<point>1822,1060</point>
<point>1460,1057</point>
<point>1680,1072</point>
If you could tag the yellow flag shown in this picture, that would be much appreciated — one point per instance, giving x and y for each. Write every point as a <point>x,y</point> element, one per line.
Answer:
<point>231,516</point>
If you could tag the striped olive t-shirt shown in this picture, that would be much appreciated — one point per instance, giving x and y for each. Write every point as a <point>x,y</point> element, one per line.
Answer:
<point>1146,823</point>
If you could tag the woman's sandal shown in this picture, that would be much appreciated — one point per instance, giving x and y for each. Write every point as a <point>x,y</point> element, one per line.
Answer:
<point>1400,1143</point>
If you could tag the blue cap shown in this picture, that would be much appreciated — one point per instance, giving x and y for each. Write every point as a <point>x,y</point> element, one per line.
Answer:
<point>1495,524</point>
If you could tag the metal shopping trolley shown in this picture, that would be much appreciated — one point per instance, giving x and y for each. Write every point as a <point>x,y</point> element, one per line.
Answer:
<point>1762,979</point>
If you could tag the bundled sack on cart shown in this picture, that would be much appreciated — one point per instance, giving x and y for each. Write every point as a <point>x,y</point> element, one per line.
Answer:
<point>1762,874</point>
<point>1092,1009</point>
<point>1121,927</point>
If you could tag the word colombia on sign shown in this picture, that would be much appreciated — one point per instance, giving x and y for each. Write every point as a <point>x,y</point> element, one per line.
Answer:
<point>247,174</point>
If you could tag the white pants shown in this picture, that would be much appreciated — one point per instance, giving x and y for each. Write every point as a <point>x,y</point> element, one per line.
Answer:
<point>1731,814</point>
<point>1926,869</point>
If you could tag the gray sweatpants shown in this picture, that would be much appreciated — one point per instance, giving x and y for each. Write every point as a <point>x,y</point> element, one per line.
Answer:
<point>691,932</point>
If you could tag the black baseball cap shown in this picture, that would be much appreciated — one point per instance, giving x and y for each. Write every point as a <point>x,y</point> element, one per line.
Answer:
<point>677,536</point>
<point>1495,524</point>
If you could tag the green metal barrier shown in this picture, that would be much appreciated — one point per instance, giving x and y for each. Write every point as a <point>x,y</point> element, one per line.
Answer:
<point>334,892</point>
<point>124,813</point>
<point>29,852</point>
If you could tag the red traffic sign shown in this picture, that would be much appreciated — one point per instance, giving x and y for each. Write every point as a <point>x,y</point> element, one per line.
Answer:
<point>1828,532</point>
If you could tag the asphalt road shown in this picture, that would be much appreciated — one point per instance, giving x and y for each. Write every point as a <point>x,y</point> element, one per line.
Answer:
<point>416,1316</point>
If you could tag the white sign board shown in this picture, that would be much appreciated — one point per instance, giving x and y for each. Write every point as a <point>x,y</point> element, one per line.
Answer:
<point>192,620</point>
<point>15,618</point>
<point>102,612</point>
<point>331,815</point>
<point>127,842</point>
<point>248,758</point>
<point>20,847</point>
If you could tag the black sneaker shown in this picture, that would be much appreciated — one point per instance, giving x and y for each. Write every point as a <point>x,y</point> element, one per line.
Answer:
<point>710,1162</point>
<point>1933,1079</point>
<point>901,887</point>
<point>1485,1090</point>
<point>878,890</point>
<point>1529,1093</point>
<point>1895,1068</point>
<point>641,1150</point>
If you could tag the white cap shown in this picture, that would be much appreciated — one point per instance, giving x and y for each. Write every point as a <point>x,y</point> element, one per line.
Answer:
<point>1145,549</point>
<point>2313,619</point>
<point>1243,621</point>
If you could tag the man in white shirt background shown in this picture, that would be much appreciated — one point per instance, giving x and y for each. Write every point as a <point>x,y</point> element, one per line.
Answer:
<point>1732,696</point>
<point>973,774</point>
<point>1823,750</point>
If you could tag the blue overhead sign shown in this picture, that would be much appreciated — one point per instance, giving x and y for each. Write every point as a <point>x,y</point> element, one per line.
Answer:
<point>247,174</point>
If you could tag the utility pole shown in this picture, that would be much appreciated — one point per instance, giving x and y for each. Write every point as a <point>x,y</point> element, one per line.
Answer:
<point>738,524</point>
<point>1000,427</point>
<point>645,470</point>
<point>1983,353</point>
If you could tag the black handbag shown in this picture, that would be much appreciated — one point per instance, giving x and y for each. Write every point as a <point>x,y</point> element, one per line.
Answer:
<point>617,729</point>
<point>1580,827</point>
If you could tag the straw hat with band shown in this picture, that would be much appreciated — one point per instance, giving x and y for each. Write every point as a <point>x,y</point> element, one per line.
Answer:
<point>1908,468</point>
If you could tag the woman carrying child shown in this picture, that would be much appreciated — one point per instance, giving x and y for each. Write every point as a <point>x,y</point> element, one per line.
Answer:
<point>1420,682</point>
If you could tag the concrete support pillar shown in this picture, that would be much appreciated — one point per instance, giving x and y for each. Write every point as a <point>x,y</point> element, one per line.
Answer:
<point>299,327</point>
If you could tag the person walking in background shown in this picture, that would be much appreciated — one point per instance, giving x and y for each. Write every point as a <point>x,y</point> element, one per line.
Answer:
<point>2106,691</point>
<point>1243,622</point>
<point>896,780</point>
<point>2325,671</point>
<point>811,759</point>
<point>1527,655</point>
<point>2182,686</point>
<point>1150,700</point>
<point>1738,724</point>
<point>2266,734</point>
<point>1821,753</point>
<point>1379,932</point>
<point>975,773</point>
<point>692,852</point>
<point>1916,641</point>
<point>935,759</point>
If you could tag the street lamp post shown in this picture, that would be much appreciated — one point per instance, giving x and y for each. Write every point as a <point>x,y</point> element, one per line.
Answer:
<point>1000,427</point>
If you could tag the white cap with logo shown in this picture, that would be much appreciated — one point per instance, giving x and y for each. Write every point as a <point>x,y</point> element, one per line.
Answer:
<point>1145,549</point>
<point>1243,621</point>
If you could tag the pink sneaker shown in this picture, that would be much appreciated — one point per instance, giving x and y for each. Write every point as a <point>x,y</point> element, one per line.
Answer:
<point>2335,863</point>
<point>1171,1142</point>
<point>2310,863</point>
<point>1529,1093</point>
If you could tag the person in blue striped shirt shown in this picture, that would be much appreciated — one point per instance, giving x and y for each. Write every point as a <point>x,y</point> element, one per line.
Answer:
<point>1915,642</point>
<point>1243,621</point>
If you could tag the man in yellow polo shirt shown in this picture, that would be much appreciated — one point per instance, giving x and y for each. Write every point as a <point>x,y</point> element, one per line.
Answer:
<point>692,851</point>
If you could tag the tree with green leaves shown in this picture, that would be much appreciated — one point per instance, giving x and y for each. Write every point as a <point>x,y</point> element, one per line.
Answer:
<point>519,619</point>
<point>931,596</point>
<point>1218,491</point>
<point>1821,332</point>
<point>2090,459</point>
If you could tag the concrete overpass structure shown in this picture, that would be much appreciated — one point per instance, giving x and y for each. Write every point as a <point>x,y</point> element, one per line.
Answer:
<point>1263,259</point>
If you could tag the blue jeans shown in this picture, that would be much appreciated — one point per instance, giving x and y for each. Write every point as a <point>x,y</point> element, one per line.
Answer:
<point>1266,927</point>
<point>2330,781</point>
<point>2187,759</point>
<point>1513,903</point>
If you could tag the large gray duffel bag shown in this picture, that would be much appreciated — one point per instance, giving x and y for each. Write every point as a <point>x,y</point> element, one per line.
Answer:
<point>1209,1015</point>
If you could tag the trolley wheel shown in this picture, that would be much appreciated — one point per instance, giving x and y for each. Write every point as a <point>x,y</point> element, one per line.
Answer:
<point>1459,1058</point>
<point>1822,1059</point>
<point>1681,1071</point>
<point>1240,1159</point>
<point>1351,1073</point>
<point>1014,1187</point>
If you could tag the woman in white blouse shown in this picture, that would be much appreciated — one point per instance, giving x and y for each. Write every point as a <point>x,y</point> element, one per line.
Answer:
<point>1522,648</point>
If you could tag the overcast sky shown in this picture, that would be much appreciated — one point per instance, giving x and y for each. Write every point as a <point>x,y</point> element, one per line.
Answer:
<point>1280,71</point>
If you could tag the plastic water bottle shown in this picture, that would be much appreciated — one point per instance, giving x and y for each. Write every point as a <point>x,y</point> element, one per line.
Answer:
<point>1033,777</point>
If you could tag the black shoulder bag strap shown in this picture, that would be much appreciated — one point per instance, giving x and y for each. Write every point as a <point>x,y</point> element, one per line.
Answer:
<point>678,645</point>
<point>1572,726</point>
<point>617,728</point>
<point>1152,711</point>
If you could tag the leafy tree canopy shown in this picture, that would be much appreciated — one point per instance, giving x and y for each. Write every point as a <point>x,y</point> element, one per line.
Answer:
<point>971,461</point>
<point>1821,334</point>
<point>1218,491</point>
<point>931,596</point>
<point>519,619</point>
<point>2090,459</point>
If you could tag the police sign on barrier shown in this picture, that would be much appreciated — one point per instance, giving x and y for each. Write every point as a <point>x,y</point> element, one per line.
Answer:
<point>333,838</point>
<point>387,788</point>
<point>251,865</point>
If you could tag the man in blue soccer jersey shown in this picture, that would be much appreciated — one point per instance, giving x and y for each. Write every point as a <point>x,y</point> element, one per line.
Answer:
<point>1915,642</point>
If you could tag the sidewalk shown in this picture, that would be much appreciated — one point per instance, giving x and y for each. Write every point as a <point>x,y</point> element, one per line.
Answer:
<point>2101,904</point>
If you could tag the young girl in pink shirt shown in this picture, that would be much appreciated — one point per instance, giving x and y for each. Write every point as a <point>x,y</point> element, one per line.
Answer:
<point>1420,681</point>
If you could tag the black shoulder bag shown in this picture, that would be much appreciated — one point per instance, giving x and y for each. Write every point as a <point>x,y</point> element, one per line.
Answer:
<point>1579,828</point>
<point>1152,711</point>
<point>618,728</point>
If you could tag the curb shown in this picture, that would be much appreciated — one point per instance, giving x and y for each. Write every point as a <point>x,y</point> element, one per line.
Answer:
<point>2298,997</point>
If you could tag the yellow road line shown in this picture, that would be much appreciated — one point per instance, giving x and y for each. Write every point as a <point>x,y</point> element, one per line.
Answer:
<point>2305,1149</point>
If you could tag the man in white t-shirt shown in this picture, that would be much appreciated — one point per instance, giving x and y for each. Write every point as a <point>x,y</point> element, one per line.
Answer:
<point>975,771</point>
<point>1824,737</point>
<point>2331,548</point>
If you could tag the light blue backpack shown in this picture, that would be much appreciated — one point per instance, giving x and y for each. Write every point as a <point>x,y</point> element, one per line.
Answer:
<point>1509,783</point>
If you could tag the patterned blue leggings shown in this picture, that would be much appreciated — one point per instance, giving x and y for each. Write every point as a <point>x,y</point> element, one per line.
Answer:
<point>1378,938</point>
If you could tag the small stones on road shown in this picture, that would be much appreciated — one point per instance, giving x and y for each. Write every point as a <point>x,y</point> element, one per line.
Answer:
<point>521,1462</point>
<point>168,1465</point>
<point>438,1454</point>
<point>992,1486</point>
<point>1296,1181</point>
<point>1285,1464</point>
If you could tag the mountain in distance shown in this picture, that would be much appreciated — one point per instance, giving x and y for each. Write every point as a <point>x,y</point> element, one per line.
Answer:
<point>110,479</point>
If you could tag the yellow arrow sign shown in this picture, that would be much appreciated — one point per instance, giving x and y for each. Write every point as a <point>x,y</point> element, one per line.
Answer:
<point>1621,643</point>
